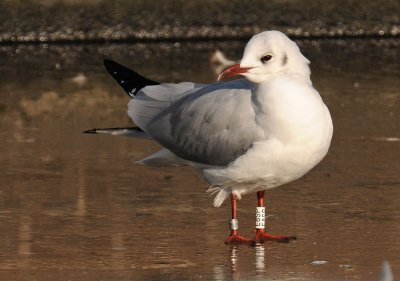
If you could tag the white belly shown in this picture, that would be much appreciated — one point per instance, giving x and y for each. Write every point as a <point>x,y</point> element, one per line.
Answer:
<point>272,163</point>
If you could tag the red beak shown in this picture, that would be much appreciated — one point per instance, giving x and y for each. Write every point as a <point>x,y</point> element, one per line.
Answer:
<point>233,71</point>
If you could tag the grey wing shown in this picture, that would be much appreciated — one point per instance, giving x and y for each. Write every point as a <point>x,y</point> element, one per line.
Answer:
<point>214,125</point>
<point>151,100</point>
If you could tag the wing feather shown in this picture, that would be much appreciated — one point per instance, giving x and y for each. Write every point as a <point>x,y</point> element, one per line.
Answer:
<point>212,125</point>
<point>151,100</point>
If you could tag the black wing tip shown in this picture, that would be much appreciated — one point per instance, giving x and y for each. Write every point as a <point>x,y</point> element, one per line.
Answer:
<point>128,79</point>
<point>112,66</point>
<point>109,63</point>
<point>91,131</point>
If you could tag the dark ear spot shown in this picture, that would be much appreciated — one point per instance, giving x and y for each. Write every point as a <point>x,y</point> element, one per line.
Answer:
<point>284,59</point>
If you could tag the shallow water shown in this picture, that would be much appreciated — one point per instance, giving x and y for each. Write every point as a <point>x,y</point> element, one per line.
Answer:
<point>75,207</point>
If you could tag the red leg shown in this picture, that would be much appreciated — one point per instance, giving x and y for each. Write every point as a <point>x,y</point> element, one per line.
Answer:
<point>261,235</point>
<point>235,238</point>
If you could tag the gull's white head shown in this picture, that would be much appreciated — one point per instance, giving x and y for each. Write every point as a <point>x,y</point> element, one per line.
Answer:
<point>269,53</point>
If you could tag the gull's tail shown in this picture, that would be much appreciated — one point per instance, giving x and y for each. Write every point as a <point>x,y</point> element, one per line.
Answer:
<point>128,79</point>
<point>128,131</point>
<point>131,82</point>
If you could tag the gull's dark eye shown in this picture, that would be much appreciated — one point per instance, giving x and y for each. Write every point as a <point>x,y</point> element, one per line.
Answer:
<point>266,58</point>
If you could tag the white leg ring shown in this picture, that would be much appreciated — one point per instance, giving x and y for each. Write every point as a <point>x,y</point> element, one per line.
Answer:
<point>234,224</point>
<point>260,217</point>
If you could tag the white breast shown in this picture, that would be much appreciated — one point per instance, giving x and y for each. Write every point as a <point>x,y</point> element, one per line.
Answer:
<point>298,128</point>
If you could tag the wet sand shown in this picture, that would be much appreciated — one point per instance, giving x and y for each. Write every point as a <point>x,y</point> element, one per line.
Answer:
<point>75,207</point>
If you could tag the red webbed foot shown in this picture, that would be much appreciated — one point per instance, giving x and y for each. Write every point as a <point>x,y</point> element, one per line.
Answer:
<point>262,236</point>
<point>235,239</point>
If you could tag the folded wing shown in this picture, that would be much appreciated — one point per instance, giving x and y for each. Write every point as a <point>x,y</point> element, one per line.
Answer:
<point>211,124</point>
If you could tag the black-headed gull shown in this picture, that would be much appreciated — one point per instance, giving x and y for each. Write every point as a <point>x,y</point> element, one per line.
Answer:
<point>246,135</point>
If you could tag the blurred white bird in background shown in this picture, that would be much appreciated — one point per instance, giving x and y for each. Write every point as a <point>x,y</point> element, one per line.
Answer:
<point>219,62</point>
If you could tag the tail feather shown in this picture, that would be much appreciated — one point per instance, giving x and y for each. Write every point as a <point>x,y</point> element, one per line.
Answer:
<point>162,158</point>
<point>128,79</point>
<point>128,131</point>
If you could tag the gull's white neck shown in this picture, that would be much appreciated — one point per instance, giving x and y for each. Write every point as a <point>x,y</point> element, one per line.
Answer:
<point>287,106</point>
<point>299,69</point>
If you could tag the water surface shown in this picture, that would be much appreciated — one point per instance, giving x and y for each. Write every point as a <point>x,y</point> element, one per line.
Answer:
<point>75,207</point>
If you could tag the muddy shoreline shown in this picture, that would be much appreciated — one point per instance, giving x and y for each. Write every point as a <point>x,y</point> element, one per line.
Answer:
<point>97,21</point>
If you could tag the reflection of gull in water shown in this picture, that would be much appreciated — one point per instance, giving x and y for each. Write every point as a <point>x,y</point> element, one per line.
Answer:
<point>259,261</point>
<point>246,135</point>
<point>234,258</point>
<point>25,236</point>
<point>260,258</point>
